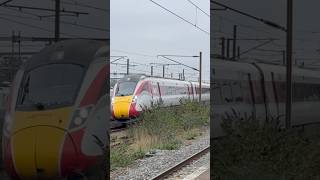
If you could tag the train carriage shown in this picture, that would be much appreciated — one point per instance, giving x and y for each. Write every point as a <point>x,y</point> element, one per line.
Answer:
<point>56,119</point>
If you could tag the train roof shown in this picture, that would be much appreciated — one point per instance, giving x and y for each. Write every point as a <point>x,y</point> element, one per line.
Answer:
<point>231,69</point>
<point>76,51</point>
<point>138,77</point>
<point>132,77</point>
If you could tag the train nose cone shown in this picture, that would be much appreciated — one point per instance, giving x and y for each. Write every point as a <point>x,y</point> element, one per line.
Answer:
<point>121,107</point>
<point>36,152</point>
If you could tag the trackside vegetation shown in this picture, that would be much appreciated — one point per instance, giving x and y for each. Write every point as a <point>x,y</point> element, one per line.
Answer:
<point>262,150</point>
<point>161,128</point>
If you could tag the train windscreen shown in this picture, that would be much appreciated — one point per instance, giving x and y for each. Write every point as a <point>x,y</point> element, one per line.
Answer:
<point>50,86</point>
<point>125,88</point>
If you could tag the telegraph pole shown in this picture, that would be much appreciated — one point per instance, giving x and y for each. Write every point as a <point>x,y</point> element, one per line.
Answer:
<point>163,70</point>
<point>223,47</point>
<point>284,57</point>
<point>19,45</point>
<point>289,63</point>
<point>151,70</point>
<point>128,66</point>
<point>228,48</point>
<point>234,42</point>
<point>200,75</point>
<point>57,21</point>
<point>12,56</point>
<point>183,74</point>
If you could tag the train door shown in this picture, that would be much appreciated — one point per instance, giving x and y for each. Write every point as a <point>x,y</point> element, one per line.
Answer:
<point>156,93</point>
<point>160,93</point>
<point>195,92</point>
<point>188,92</point>
<point>279,87</point>
<point>258,90</point>
<point>274,103</point>
<point>191,91</point>
<point>145,98</point>
<point>252,95</point>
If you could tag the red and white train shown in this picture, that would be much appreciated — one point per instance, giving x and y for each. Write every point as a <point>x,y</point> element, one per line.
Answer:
<point>259,90</point>
<point>55,122</point>
<point>133,93</point>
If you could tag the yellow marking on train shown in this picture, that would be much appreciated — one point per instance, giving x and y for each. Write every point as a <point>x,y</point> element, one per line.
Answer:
<point>121,106</point>
<point>48,150</point>
<point>56,117</point>
<point>23,144</point>
<point>37,141</point>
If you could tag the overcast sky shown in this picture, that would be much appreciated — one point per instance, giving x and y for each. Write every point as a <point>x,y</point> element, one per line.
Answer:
<point>29,23</point>
<point>306,29</point>
<point>142,30</point>
<point>141,27</point>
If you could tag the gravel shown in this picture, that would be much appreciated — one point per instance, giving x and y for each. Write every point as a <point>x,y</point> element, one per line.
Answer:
<point>161,160</point>
<point>204,161</point>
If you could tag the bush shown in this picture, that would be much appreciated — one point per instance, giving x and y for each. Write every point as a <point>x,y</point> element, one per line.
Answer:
<point>255,149</point>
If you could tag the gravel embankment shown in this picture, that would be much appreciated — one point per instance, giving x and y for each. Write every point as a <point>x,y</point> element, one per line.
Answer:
<point>163,159</point>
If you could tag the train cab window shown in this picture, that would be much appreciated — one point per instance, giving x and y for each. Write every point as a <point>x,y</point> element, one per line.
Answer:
<point>125,88</point>
<point>145,89</point>
<point>61,81</point>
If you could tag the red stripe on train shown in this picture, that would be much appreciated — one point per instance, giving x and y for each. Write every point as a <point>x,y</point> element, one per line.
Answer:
<point>94,90</point>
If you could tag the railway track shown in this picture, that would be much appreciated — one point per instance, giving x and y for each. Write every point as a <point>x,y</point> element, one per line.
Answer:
<point>120,138</point>
<point>118,130</point>
<point>181,164</point>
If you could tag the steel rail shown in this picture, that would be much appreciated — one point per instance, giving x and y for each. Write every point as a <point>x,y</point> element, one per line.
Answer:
<point>181,164</point>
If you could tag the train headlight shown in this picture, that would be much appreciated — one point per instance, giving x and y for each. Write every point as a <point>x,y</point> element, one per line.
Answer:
<point>80,116</point>
<point>134,99</point>
<point>84,113</point>
<point>78,121</point>
<point>112,100</point>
